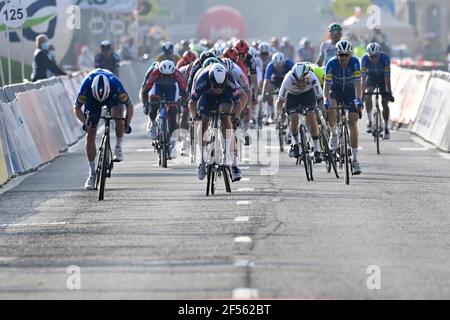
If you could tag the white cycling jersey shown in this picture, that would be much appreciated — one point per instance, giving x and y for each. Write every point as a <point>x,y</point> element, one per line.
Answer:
<point>259,69</point>
<point>327,51</point>
<point>240,77</point>
<point>290,87</point>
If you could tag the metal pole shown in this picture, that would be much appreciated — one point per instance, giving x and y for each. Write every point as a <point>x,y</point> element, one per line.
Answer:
<point>9,55</point>
<point>22,49</point>
<point>2,73</point>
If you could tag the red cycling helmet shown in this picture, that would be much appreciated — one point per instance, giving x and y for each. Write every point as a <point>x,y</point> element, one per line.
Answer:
<point>242,46</point>
<point>189,56</point>
<point>231,53</point>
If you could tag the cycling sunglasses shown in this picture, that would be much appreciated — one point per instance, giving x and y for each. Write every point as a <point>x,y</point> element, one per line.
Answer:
<point>343,55</point>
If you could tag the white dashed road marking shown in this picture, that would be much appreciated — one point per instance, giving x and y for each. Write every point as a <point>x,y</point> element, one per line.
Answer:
<point>241,219</point>
<point>245,293</point>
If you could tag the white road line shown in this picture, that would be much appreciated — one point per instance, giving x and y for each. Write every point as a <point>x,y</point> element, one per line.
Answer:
<point>245,179</point>
<point>244,264</point>
<point>245,189</point>
<point>243,202</point>
<point>414,149</point>
<point>145,150</point>
<point>14,225</point>
<point>242,240</point>
<point>245,293</point>
<point>445,155</point>
<point>241,219</point>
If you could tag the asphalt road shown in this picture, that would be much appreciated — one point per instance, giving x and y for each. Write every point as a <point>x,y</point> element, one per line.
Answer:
<point>157,236</point>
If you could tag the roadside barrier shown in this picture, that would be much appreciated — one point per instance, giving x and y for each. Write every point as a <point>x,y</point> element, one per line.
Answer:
<point>422,104</point>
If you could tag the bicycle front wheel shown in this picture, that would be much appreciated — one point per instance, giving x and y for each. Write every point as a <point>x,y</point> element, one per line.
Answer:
<point>105,155</point>
<point>305,152</point>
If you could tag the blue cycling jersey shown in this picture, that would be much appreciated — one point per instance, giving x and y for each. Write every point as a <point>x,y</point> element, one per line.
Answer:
<point>280,73</point>
<point>117,96</point>
<point>378,71</point>
<point>203,86</point>
<point>342,79</point>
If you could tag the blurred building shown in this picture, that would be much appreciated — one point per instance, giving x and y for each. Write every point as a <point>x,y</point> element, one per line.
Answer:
<point>431,20</point>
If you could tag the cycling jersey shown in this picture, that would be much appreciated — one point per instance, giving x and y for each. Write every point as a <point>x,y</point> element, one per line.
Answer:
<point>240,78</point>
<point>271,71</point>
<point>92,107</point>
<point>289,86</point>
<point>249,65</point>
<point>112,64</point>
<point>203,86</point>
<point>327,51</point>
<point>318,71</point>
<point>171,85</point>
<point>377,71</point>
<point>341,79</point>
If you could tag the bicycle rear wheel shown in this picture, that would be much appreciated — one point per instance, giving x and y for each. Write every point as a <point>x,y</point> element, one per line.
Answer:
<point>377,130</point>
<point>347,151</point>
<point>305,152</point>
<point>164,149</point>
<point>105,155</point>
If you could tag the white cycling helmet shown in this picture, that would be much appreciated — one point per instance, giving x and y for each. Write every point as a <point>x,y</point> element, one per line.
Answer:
<point>229,64</point>
<point>264,48</point>
<point>300,71</point>
<point>166,67</point>
<point>278,59</point>
<point>373,49</point>
<point>344,47</point>
<point>218,75</point>
<point>100,88</point>
<point>215,51</point>
<point>253,52</point>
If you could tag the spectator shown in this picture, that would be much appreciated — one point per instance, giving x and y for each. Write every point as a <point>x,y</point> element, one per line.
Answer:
<point>305,51</point>
<point>127,52</point>
<point>85,58</point>
<point>52,56</point>
<point>107,59</point>
<point>42,62</point>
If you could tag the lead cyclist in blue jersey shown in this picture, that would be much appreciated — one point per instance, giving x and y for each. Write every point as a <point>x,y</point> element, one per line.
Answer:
<point>102,88</point>
<point>376,72</point>
<point>343,85</point>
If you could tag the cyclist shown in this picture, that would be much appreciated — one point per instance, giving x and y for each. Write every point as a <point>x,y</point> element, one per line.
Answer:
<point>107,59</point>
<point>251,72</point>
<point>275,73</point>
<point>166,80</point>
<point>167,53</point>
<point>300,91</point>
<point>240,78</point>
<point>328,48</point>
<point>216,90</point>
<point>233,54</point>
<point>343,84</point>
<point>198,64</point>
<point>305,51</point>
<point>266,57</point>
<point>102,88</point>
<point>376,72</point>
<point>318,71</point>
<point>188,58</point>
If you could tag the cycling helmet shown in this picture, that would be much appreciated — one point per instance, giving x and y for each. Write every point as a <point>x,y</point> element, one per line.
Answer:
<point>166,67</point>
<point>106,44</point>
<point>218,75</point>
<point>253,52</point>
<point>278,59</point>
<point>373,49</point>
<point>189,56</point>
<point>215,51</point>
<point>334,27</point>
<point>231,53</point>
<point>205,55</point>
<point>264,48</point>
<point>209,61</point>
<point>100,87</point>
<point>167,48</point>
<point>241,46</point>
<point>344,47</point>
<point>300,71</point>
<point>229,64</point>
<point>304,42</point>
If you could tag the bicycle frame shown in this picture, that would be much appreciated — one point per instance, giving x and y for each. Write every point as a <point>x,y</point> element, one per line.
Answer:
<point>377,132</point>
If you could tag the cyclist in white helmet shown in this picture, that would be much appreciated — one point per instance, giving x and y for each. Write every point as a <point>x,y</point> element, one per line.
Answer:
<point>102,88</point>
